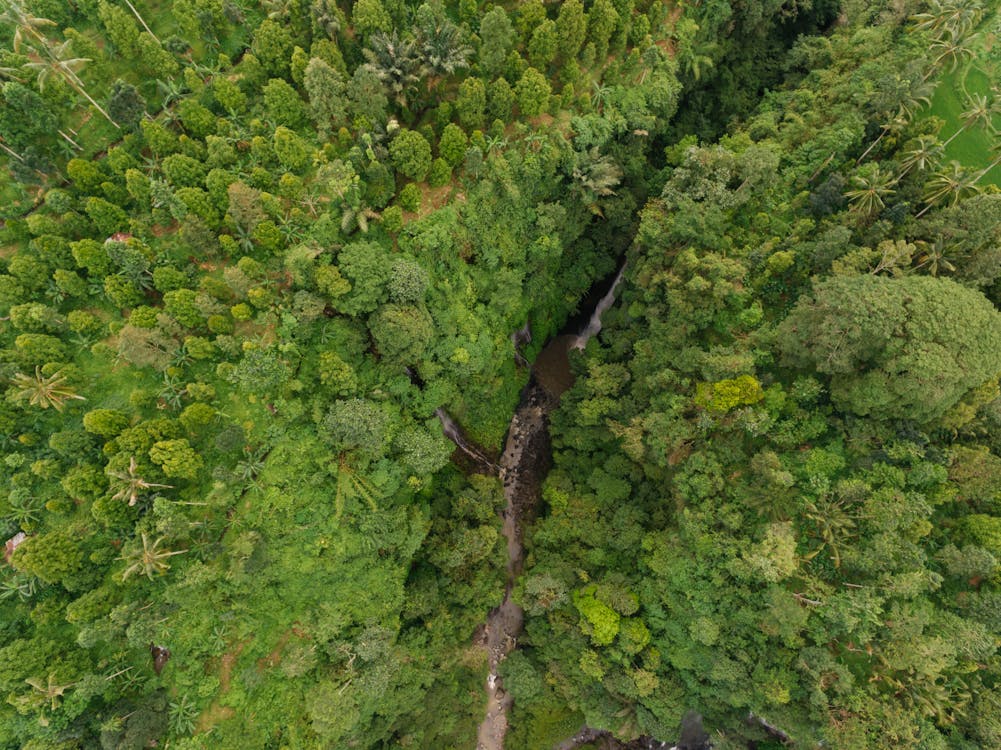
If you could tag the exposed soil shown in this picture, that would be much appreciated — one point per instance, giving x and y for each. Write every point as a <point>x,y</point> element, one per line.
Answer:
<point>216,712</point>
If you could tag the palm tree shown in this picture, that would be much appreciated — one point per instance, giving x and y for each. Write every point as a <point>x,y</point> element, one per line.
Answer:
<point>834,523</point>
<point>24,24</point>
<point>150,560</point>
<point>248,469</point>
<point>951,49</point>
<point>925,154</point>
<point>867,197</point>
<point>917,96</point>
<point>945,18</point>
<point>311,200</point>
<point>277,10</point>
<point>535,140</point>
<point>355,214</point>
<point>24,508</point>
<point>53,56</point>
<point>397,64</point>
<point>51,690</point>
<point>23,587</point>
<point>996,148</point>
<point>697,58</point>
<point>600,95</point>
<point>325,16</point>
<point>443,47</point>
<point>128,484</point>
<point>496,143</point>
<point>45,390</point>
<point>952,183</point>
<point>10,74</point>
<point>979,111</point>
<point>933,256</point>
<point>55,62</point>
<point>171,89</point>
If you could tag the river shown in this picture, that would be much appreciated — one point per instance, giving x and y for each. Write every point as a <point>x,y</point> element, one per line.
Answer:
<point>522,467</point>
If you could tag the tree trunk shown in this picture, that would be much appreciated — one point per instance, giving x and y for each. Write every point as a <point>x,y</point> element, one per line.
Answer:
<point>872,146</point>
<point>11,152</point>
<point>986,169</point>
<point>99,108</point>
<point>70,141</point>
<point>136,13</point>
<point>953,136</point>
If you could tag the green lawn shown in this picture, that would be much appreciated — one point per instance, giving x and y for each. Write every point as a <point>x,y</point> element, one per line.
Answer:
<point>972,147</point>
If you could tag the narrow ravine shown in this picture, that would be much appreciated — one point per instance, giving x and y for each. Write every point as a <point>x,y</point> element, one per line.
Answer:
<point>453,432</point>
<point>522,467</point>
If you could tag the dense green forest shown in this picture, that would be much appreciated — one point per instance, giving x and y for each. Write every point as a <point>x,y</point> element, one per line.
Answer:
<point>254,254</point>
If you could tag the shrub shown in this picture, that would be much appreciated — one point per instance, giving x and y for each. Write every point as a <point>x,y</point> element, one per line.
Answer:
<point>411,154</point>
<point>410,198</point>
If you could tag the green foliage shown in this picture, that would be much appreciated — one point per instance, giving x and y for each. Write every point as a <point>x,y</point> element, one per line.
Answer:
<point>272,46</point>
<point>183,171</point>
<point>284,106</point>
<point>600,621</point>
<point>571,28</point>
<point>402,333</point>
<point>774,489</point>
<point>126,105</point>
<point>544,44</point>
<point>326,89</point>
<point>411,154</point>
<point>410,198</point>
<point>176,457</point>
<point>356,423</point>
<point>725,395</point>
<point>532,93</point>
<point>497,35</point>
<point>440,174</point>
<point>471,103</point>
<point>106,423</point>
<point>107,217</point>
<point>452,144</point>
<point>290,149</point>
<point>55,557</point>
<point>895,347</point>
<point>198,120</point>
<point>368,16</point>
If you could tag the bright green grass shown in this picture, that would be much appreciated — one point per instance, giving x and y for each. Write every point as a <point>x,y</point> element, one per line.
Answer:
<point>972,147</point>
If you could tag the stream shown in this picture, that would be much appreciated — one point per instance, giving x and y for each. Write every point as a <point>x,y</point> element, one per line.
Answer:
<point>522,467</point>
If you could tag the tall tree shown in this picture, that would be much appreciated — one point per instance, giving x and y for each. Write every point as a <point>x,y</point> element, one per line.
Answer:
<point>325,87</point>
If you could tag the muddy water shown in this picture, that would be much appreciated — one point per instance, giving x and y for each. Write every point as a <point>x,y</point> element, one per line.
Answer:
<point>523,465</point>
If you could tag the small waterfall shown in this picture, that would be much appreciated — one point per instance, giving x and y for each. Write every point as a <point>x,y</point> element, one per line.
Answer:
<point>454,433</point>
<point>594,324</point>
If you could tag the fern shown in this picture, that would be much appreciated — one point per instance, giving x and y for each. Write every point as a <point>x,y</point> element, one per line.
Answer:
<point>352,485</point>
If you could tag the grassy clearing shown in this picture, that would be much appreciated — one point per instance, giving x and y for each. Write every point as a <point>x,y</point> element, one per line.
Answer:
<point>972,147</point>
